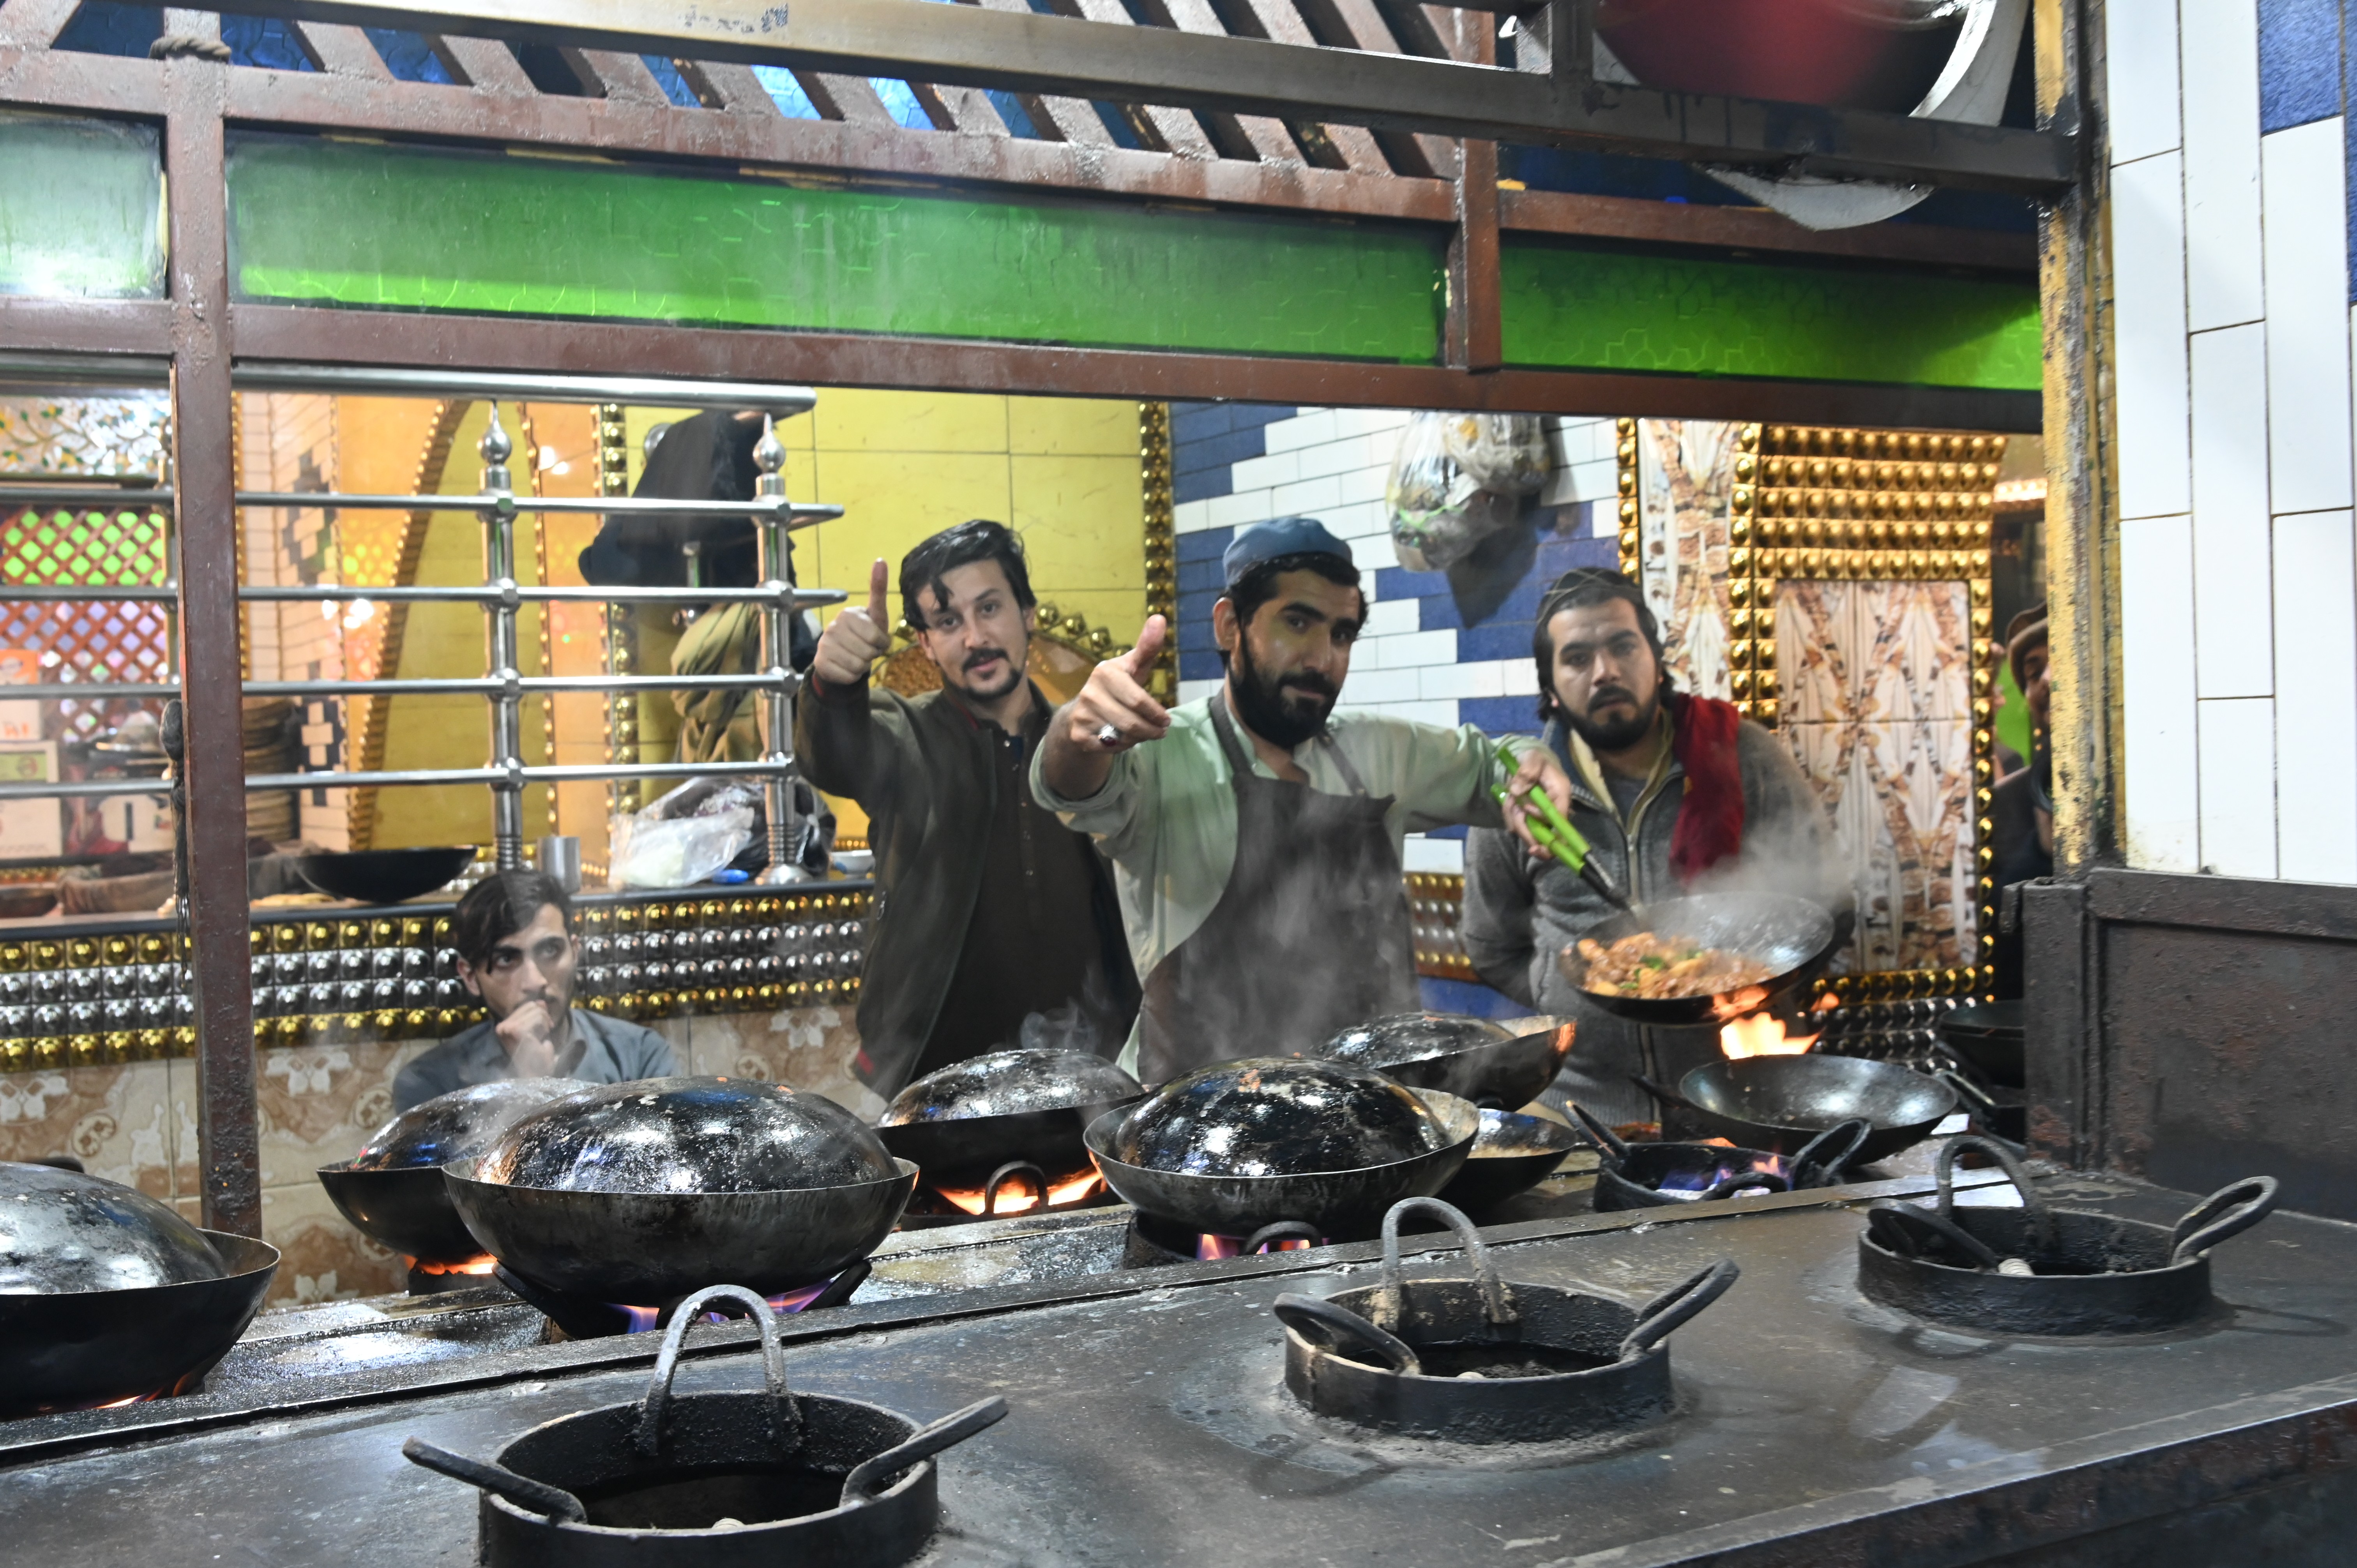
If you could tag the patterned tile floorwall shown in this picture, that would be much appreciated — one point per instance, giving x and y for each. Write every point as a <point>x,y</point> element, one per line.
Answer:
<point>136,1123</point>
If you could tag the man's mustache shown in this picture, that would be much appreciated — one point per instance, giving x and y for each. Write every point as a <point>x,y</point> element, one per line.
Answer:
<point>982,655</point>
<point>1604,694</point>
<point>1310,682</point>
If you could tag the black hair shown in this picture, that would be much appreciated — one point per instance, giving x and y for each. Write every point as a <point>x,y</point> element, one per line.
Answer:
<point>1577,589</point>
<point>978,538</point>
<point>498,907</point>
<point>1258,584</point>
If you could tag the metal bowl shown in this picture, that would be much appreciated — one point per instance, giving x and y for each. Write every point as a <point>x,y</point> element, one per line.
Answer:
<point>1277,1116</point>
<point>383,875</point>
<point>64,1233</point>
<point>458,1126</point>
<point>688,1135</point>
<point>1011,1083</point>
<point>1386,1043</point>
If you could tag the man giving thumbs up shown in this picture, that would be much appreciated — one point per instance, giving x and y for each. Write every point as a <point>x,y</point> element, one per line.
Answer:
<point>1256,832</point>
<point>995,925</point>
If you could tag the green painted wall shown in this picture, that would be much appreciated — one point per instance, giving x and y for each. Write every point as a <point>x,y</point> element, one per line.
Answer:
<point>80,208</point>
<point>1568,306</point>
<point>357,224</point>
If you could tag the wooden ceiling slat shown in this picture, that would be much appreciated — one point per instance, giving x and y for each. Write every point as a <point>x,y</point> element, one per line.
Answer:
<point>35,23</point>
<point>490,66</point>
<point>343,52</point>
<point>624,77</point>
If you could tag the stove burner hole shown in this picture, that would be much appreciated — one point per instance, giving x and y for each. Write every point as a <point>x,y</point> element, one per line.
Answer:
<point>1479,1359</point>
<point>699,1500</point>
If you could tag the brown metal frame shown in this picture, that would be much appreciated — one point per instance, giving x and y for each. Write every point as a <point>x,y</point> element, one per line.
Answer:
<point>194,334</point>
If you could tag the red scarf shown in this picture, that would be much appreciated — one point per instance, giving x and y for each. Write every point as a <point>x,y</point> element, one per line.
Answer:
<point>1710,818</point>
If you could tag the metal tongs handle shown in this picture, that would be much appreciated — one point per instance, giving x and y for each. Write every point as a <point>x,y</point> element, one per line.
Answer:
<point>2229,1211</point>
<point>870,1475</point>
<point>1676,1306</point>
<point>1553,832</point>
<point>534,1496</point>
<point>1604,1137</point>
<point>786,1422</point>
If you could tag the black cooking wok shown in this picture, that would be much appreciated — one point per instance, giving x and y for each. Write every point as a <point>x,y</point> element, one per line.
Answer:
<point>1512,1154</point>
<point>1468,1057</point>
<point>1331,1203</point>
<point>1791,936</point>
<point>1989,1035</point>
<point>1781,1103</point>
<point>392,1189</point>
<point>383,875</point>
<point>73,1349</point>
<point>644,1248</point>
<point>973,1117</point>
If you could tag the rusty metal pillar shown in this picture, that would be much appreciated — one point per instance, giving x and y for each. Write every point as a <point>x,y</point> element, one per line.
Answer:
<point>204,476</point>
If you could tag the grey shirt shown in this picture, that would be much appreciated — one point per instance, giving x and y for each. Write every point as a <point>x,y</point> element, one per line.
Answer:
<point>603,1050</point>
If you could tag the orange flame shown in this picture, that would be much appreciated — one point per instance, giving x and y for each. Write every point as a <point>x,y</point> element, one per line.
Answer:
<point>1211,1248</point>
<point>1737,1003</point>
<point>482,1265</point>
<point>1014,1198</point>
<point>1762,1035</point>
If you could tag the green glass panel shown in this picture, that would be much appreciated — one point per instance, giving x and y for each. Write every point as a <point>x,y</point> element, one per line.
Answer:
<point>1573,307</point>
<point>351,224</point>
<point>80,208</point>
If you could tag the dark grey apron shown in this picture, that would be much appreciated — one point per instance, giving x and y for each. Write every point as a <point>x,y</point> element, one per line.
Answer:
<point>1311,934</point>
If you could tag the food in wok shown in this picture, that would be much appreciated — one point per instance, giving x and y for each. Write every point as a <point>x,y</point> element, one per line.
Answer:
<point>1652,967</point>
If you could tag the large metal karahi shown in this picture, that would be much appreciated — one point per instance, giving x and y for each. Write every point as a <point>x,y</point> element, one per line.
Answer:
<point>107,1294</point>
<point>715,1480</point>
<point>643,1192</point>
<point>1481,1360</point>
<point>392,1189</point>
<point>1473,1059</point>
<point>1781,1104</point>
<point>1791,936</point>
<point>1237,1148</point>
<point>976,1123</point>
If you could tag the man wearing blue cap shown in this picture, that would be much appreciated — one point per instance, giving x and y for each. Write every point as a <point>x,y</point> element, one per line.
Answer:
<point>1255,834</point>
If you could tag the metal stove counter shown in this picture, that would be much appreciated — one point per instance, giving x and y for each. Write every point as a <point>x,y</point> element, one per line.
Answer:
<point>1150,1426</point>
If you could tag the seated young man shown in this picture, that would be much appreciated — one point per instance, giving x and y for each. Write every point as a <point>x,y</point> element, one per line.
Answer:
<point>516,951</point>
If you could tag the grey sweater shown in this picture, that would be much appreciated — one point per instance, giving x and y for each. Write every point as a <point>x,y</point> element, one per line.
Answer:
<point>1518,914</point>
<point>605,1050</point>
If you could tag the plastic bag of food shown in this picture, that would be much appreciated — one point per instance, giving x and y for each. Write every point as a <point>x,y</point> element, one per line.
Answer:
<point>1457,479</point>
<point>677,852</point>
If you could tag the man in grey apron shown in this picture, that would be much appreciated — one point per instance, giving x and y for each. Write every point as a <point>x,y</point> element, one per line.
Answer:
<point>1255,834</point>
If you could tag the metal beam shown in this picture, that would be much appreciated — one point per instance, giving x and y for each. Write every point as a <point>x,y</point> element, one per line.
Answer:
<point>1022,51</point>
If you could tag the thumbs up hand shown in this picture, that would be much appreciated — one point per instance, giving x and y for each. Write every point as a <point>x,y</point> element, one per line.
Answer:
<point>1113,711</point>
<point>855,638</point>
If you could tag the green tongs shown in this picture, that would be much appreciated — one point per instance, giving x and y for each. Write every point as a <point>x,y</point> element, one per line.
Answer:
<point>1554,834</point>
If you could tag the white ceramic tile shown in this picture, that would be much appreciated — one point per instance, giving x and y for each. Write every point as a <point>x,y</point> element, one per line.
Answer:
<point>1309,498</point>
<point>1594,481</point>
<point>1369,687</point>
<point>1371,554</point>
<point>2232,588</point>
<point>1418,648</point>
<point>2220,41</point>
<point>1190,690</point>
<point>1238,510</point>
<point>2149,334</point>
<point>2141,80</point>
<point>1260,473</point>
<point>1358,519</point>
<point>1447,856</point>
<point>1369,421</point>
<point>1521,678</point>
<point>1305,429</point>
<point>1365,485</point>
<point>1486,679</point>
<point>1340,456</point>
<point>2316,697</point>
<point>1391,617</point>
<point>2308,300</point>
<point>2238,785</point>
<point>2157,715</point>
<point>1192,517</point>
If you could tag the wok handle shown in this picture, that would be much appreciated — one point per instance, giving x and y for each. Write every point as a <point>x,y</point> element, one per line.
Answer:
<point>1982,1103</point>
<point>2229,1211</point>
<point>785,1431</point>
<point>1666,1096</point>
<point>1602,1136</point>
<point>1658,1317</point>
<point>870,1475</point>
<point>2040,1232</point>
<point>534,1496</point>
<point>1904,1229</point>
<point>1497,1304</point>
<point>1323,1322</point>
<point>1813,1167</point>
<point>1007,1173</point>
<point>1280,1230</point>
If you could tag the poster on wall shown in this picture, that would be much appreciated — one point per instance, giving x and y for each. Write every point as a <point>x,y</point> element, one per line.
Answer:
<point>30,828</point>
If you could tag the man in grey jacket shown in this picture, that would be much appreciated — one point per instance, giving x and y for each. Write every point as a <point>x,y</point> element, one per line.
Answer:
<point>1674,794</point>
<point>515,936</point>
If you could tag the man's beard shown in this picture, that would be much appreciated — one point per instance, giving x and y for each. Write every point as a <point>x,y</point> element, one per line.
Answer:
<point>1007,683</point>
<point>1615,735</point>
<point>1262,707</point>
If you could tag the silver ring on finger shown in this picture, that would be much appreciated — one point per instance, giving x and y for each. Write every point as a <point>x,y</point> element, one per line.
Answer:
<point>1108,736</point>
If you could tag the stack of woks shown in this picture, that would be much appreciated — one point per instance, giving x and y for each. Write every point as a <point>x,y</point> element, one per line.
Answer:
<point>273,743</point>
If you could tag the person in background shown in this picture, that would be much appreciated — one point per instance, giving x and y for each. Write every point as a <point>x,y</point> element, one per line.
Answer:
<point>1673,792</point>
<point>1257,831</point>
<point>995,925</point>
<point>513,932</point>
<point>2021,810</point>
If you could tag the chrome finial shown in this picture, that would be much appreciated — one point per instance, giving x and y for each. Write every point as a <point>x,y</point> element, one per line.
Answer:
<point>496,449</point>
<point>769,456</point>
